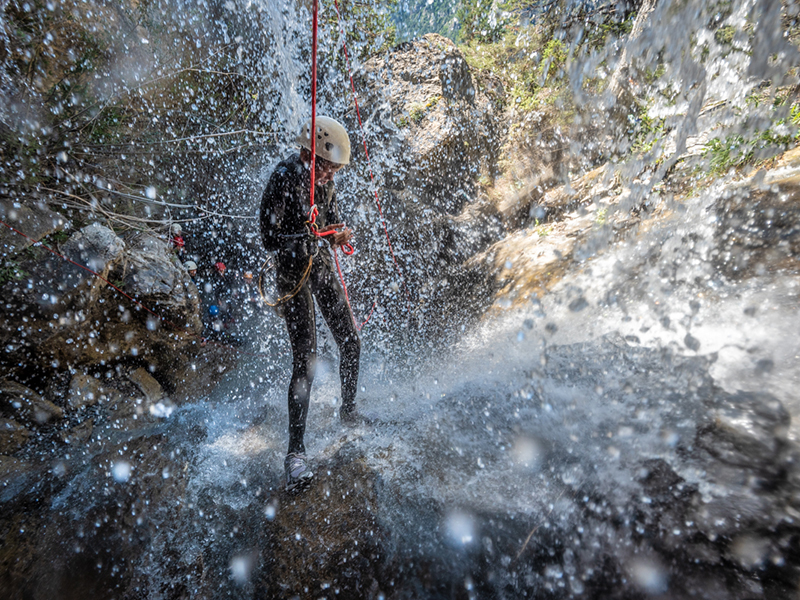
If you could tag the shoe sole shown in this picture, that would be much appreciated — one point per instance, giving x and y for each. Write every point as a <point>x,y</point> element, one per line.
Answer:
<point>300,484</point>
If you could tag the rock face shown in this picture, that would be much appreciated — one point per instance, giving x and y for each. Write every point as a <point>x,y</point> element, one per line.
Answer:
<point>421,105</point>
<point>26,405</point>
<point>35,220</point>
<point>61,315</point>
<point>759,222</point>
<point>84,349</point>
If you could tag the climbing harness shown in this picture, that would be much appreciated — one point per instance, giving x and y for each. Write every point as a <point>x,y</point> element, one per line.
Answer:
<point>291,294</point>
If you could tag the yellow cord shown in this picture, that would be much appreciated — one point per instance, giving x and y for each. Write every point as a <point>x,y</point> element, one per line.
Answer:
<point>294,292</point>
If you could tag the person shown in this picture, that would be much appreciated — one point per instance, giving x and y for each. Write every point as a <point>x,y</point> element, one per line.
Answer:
<point>177,241</point>
<point>305,271</point>
<point>191,269</point>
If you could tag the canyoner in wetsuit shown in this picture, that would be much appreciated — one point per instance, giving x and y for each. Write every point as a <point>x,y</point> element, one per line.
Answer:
<point>305,270</point>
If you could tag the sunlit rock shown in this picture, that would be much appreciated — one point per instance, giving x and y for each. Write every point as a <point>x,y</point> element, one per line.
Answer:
<point>96,247</point>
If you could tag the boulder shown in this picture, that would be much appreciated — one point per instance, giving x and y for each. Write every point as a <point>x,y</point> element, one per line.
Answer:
<point>432,136</point>
<point>95,247</point>
<point>26,405</point>
<point>33,219</point>
<point>84,390</point>
<point>154,275</point>
<point>147,384</point>
<point>447,130</point>
<point>13,436</point>
<point>62,315</point>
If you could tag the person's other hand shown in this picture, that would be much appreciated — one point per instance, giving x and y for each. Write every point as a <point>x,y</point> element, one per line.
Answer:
<point>339,238</point>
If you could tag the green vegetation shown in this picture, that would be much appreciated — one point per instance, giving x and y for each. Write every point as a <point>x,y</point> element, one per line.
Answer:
<point>724,35</point>
<point>736,151</point>
<point>647,131</point>
<point>541,229</point>
<point>524,72</point>
<point>415,18</point>
<point>416,111</point>
<point>530,61</point>
<point>481,21</point>
<point>601,217</point>
<point>11,271</point>
<point>369,26</point>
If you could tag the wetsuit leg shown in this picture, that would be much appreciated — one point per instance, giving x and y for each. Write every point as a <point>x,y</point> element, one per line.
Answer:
<point>333,305</point>
<point>299,317</point>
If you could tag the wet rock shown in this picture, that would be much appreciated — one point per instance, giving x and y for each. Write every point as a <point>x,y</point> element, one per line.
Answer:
<point>94,246</point>
<point>11,467</point>
<point>749,430</point>
<point>33,219</point>
<point>26,405</point>
<point>13,436</point>
<point>311,549</point>
<point>122,408</point>
<point>63,316</point>
<point>155,276</point>
<point>196,378</point>
<point>147,384</point>
<point>84,390</point>
<point>758,226</point>
<point>425,103</point>
<point>79,433</point>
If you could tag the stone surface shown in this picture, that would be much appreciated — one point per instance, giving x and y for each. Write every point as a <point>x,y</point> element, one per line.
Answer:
<point>26,405</point>
<point>31,218</point>
<point>12,467</point>
<point>12,436</point>
<point>79,433</point>
<point>84,390</point>
<point>433,135</point>
<point>147,384</point>
<point>96,247</point>
<point>63,316</point>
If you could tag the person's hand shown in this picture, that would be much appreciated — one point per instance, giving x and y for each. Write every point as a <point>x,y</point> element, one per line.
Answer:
<point>339,238</point>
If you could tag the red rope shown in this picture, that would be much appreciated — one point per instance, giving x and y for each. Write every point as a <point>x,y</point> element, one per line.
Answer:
<point>366,152</point>
<point>347,296</point>
<point>312,215</point>
<point>314,211</point>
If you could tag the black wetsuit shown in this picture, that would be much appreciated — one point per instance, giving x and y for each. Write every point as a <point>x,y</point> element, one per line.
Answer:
<point>284,211</point>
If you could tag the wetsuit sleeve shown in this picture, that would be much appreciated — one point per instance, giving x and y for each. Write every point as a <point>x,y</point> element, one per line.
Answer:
<point>273,207</point>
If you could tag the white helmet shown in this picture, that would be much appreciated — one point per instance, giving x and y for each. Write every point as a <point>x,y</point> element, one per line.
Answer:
<point>332,141</point>
<point>190,265</point>
<point>175,229</point>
